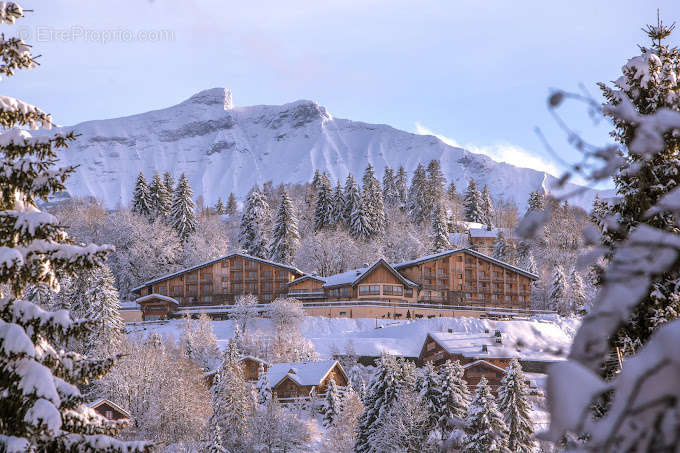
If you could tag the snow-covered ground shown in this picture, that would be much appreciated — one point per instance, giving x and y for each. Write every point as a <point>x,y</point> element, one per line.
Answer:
<point>546,337</point>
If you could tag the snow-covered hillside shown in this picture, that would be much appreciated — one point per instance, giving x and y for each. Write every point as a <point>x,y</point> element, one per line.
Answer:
<point>223,148</point>
<point>546,337</point>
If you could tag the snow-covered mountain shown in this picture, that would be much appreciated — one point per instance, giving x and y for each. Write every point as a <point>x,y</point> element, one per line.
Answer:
<point>223,148</point>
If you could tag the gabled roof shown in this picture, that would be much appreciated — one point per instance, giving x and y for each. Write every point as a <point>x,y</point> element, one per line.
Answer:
<point>469,252</point>
<point>153,296</point>
<point>254,359</point>
<point>208,263</point>
<point>484,363</point>
<point>472,345</point>
<point>303,373</point>
<point>308,277</point>
<point>95,404</point>
<point>489,233</point>
<point>354,276</point>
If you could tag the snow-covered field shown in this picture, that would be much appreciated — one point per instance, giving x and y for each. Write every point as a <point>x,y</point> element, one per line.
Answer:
<point>546,337</point>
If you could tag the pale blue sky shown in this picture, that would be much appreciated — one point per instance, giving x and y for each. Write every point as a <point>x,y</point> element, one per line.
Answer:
<point>477,72</point>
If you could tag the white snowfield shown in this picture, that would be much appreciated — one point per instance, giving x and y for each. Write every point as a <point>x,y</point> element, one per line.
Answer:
<point>223,148</point>
<point>546,337</point>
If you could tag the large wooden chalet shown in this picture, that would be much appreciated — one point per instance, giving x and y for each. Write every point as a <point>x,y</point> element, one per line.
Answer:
<point>454,279</point>
<point>216,282</point>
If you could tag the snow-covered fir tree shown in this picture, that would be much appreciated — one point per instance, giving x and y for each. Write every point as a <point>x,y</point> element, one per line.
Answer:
<point>436,181</point>
<point>41,408</point>
<point>416,203</point>
<point>473,204</point>
<point>323,211</point>
<point>648,84</point>
<point>440,235</point>
<point>536,201</point>
<point>392,375</point>
<point>428,386</point>
<point>199,342</point>
<point>559,291</point>
<point>373,203</point>
<point>501,248</point>
<point>352,198</point>
<point>264,389</point>
<point>331,404</point>
<point>451,192</point>
<point>485,426</point>
<point>92,296</point>
<point>219,207</point>
<point>513,403</point>
<point>183,210</point>
<point>577,293</point>
<point>487,206</point>
<point>338,213</point>
<point>252,237</point>
<point>390,191</point>
<point>161,198</point>
<point>142,204</point>
<point>232,206</point>
<point>216,445</point>
<point>316,180</point>
<point>360,225</point>
<point>169,183</point>
<point>285,235</point>
<point>401,184</point>
<point>454,397</point>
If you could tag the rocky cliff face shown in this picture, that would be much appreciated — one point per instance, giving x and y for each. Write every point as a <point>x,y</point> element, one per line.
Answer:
<point>223,148</point>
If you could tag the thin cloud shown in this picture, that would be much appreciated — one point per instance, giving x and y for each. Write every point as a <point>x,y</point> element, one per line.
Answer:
<point>500,152</point>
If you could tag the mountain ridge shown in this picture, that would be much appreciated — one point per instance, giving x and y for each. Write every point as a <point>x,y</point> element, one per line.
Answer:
<point>226,148</point>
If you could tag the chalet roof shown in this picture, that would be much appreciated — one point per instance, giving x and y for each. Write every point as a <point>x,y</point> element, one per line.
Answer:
<point>485,363</point>
<point>486,233</point>
<point>254,359</point>
<point>303,373</point>
<point>308,277</point>
<point>469,252</point>
<point>208,263</point>
<point>354,276</point>
<point>95,404</point>
<point>471,345</point>
<point>129,305</point>
<point>153,296</point>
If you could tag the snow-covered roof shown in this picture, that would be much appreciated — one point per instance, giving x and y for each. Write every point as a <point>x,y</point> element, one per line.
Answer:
<point>208,263</point>
<point>304,373</point>
<point>468,251</point>
<point>484,362</point>
<point>486,233</point>
<point>95,404</point>
<point>254,359</point>
<point>129,305</point>
<point>524,345</point>
<point>307,277</point>
<point>153,296</point>
<point>353,276</point>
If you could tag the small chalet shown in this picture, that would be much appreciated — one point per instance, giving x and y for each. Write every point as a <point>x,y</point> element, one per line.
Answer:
<point>304,379</point>
<point>474,371</point>
<point>251,367</point>
<point>156,306</point>
<point>109,410</point>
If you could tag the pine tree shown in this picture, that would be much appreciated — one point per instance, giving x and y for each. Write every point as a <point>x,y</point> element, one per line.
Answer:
<point>434,191</point>
<point>487,207</point>
<point>473,204</point>
<point>429,389</point>
<point>182,211</point>
<point>390,190</point>
<point>440,235</point>
<point>219,207</point>
<point>285,235</point>
<point>417,197</point>
<point>169,183</point>
<point>232,206</point>
<point>323,212</point>
<point>558,291</point>
<point>514,405</point>
<point>373,204</point>
<point>338,212</point>
<point>536,201</point>
<point>331,405</point>
<point>41,407</point>
<point>501,249</point>
<point>352,199</point>
<point>216,445</point>
<point>160,198</point>
<point>264,390</point>
<point>142,204</point>
<point>648,84</point>
<point>392,375</point>
<point>455,397</point>
<point>360,226</point>
<point>401,184</point>
<point>255,216</point>
<point>577,293</point>
<point>485,427</point>
<point>316,180</point>
<point>451,192</point>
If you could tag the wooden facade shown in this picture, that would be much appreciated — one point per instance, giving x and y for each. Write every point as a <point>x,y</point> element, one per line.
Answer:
<point>305,379</point>
<point>109,410</point>
<point>251,367</point>
<point>219,282</point>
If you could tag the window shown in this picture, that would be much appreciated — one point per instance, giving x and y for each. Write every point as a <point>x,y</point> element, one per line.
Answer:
<point>225,263</point>
<point>268,297</point>
<point>225,279</point>
<point>236,275</point>
<point>460,259</point>
<point>343,313</point>
<point>191,277</point>
<point>267,286</point>
<point>267,274</point>
<point>207,276</point>
<point>207,298</point>
<point>408,292</point>
<point>206,288</point>
<point>176,290</point>
<point>460,276</point>
<point>108,414</point>
<point>392,290</point>
<point>237,263</point>
<point>252,274</point>
<point>344,292</point>
<point>369,289</point>
<point>440,271</point>
<point>251,287</point>
<point>236,286</point>
<point>282,274</point>
<point>191,288</point>
<point>508,298</point>
<point>252,264</point>
<point>387,289</point>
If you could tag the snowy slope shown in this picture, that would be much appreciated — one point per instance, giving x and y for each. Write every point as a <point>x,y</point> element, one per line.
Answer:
<point>223,148</point>
<point>547,337</point>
